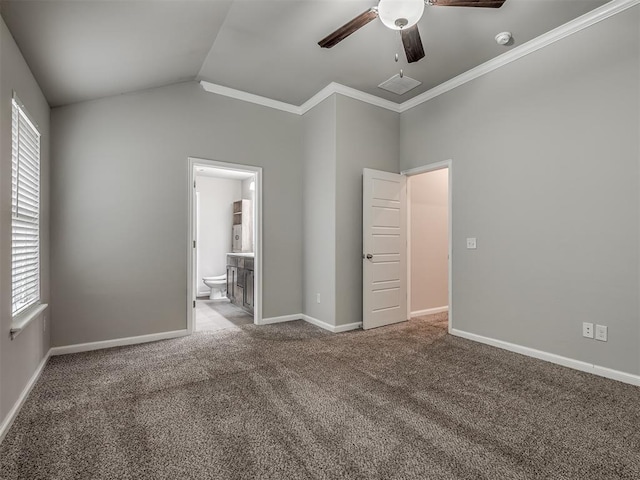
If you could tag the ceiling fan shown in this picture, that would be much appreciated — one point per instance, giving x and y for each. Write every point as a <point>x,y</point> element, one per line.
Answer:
<point>401,15</point>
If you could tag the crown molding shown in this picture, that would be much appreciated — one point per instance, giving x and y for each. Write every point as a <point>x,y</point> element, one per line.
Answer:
<point>574,26</point>
<point>323,94</point>
<point>343,90</point>
<point>249,97</point>
<point>588,19</point>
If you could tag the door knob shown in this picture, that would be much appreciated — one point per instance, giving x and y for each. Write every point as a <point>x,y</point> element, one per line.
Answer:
<point>369,256</point>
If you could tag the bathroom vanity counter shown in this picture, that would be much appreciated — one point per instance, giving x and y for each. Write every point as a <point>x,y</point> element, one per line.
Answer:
<point>240,280</point>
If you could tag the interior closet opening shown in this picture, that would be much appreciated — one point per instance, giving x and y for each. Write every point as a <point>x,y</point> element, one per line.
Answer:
<point>224,246</point>
<point>428,254</point>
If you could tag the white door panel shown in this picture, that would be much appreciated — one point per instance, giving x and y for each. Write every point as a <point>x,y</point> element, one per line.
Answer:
<point>385,189</point>
<point>385,245</point>
<point>385,217</point>
<point>387,298</point>
<point>385,271</point>
<point>385,248</point>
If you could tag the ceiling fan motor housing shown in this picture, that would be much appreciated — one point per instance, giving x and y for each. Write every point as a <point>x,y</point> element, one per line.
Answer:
<point>399,14</point>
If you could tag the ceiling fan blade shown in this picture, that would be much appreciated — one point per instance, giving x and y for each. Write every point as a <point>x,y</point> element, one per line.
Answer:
<point>412,44</point>
<point>348,28</point>
<point>468,3</point>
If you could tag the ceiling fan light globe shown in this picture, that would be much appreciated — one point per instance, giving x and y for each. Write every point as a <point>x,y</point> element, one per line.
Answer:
<point>391,10</point>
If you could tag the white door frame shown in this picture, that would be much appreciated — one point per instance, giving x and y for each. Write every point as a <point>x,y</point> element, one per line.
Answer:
<point>416,171</point>
<point>196,233</point>
<point>257,225</point>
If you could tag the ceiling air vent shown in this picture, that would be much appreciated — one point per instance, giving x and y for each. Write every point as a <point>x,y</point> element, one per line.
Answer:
<point>399,85</point>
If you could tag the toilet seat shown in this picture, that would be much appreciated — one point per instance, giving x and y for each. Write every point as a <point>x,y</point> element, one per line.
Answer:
<point>216,279</point>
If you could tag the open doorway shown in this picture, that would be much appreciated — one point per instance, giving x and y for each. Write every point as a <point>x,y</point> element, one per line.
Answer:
<point>429,244</point>
<point>224,288</point>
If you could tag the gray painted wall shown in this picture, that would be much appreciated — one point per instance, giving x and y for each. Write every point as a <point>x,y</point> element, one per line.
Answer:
<point>119,206</point>
<point>20,358</point>
<point>319,238</point>
<point>545,174</point>
<point>428,196</point>
<point>368,137</point>
<point>341,137</point>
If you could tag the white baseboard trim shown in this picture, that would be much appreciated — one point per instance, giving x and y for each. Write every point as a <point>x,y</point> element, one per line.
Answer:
<point>13,413</point>
<point>617,375</point>
<point>347,327</point>
<point>311,320</point>
<point>283,318</point>
<point>429,311</point>
<point>118,342</point>
<point>331,328</point>
<point>552,357</point>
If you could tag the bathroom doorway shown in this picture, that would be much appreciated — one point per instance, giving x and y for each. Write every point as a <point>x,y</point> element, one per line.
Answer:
<point>224,269</point>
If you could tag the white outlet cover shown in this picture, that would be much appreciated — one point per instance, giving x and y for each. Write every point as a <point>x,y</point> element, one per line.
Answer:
<point>471,243</point>
<point>587,330</point>
<point>601,333</point>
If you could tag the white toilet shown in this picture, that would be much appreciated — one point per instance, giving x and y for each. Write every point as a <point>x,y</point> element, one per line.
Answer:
<point>218,286</point>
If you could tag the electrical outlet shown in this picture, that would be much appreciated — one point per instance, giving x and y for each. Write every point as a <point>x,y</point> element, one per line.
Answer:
<point>317,298</point>
<point>601,333</point>
<point>471,243</point>
<point>587,330</point>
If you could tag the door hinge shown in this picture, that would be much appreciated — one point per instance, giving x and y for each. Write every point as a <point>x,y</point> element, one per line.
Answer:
<point>194,244</point>
<point>194,304</point>
<point>194,184</point>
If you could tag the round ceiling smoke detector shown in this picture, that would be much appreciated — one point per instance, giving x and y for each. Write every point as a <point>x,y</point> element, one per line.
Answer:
<point>503,38</point>
<point>399,14</point>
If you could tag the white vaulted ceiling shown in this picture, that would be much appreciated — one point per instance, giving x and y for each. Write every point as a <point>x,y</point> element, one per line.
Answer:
<point>85,49</point>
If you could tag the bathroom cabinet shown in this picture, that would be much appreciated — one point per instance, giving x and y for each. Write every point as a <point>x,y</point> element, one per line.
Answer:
<point>242,230</point>
<point>232,273</point>
<point>248,290</point>
<point>240,281</point>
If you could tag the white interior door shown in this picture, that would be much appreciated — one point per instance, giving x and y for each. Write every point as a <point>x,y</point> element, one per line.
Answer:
<point>384,229</point>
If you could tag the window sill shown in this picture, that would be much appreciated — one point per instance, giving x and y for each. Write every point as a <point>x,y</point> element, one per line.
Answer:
<point>21,321</point>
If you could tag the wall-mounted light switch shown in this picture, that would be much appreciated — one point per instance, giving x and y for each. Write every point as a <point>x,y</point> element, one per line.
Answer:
<point>471,242</point>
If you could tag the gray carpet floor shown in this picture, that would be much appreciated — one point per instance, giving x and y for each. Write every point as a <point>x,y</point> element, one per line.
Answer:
<point>291,401</point>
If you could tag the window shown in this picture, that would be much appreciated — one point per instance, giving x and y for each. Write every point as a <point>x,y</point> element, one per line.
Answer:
<point>25,211</point>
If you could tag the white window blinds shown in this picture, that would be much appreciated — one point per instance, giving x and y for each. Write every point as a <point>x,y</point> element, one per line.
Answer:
<point>25,211</point>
